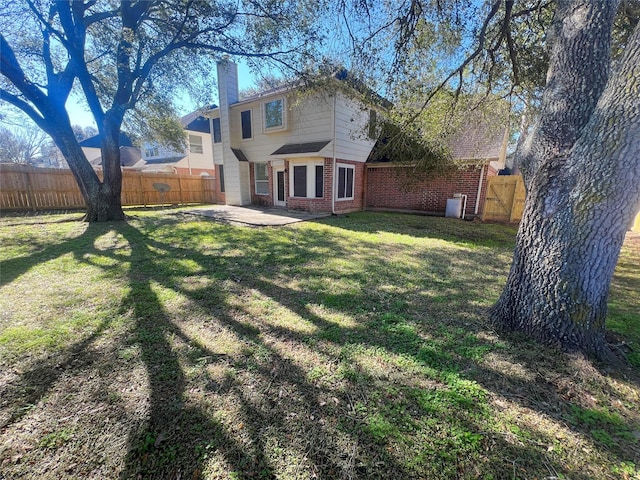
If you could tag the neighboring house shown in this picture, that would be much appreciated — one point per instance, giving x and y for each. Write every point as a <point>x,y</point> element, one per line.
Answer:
<point>129,154</point>
<point>197,159</point>
<point>311,152</point>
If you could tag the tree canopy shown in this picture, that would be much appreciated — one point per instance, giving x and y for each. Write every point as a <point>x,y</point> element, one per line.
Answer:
<point>127,59</point>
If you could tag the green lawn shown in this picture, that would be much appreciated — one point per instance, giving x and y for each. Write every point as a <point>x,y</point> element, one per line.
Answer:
<point>358,346</point>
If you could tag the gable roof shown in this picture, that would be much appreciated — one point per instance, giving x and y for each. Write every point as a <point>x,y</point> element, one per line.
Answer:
<point>339,74</point>
<point>94,142</point>
<point>477,141</point>
<point>129,156</point>
<point>196,121</point>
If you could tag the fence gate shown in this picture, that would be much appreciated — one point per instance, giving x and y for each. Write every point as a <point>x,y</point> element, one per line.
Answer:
<point>505,198</point>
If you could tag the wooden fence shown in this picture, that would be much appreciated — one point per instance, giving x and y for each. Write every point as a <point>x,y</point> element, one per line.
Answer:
<point>28,188</point>
<point>504,201</point>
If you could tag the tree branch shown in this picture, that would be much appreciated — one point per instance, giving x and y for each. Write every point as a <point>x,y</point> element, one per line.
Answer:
<point>76,52</point>
<point>460,69</point>
<point>25,107</point>
<point>46,24</point>
<point>506,24</point>
<point>10,68</point>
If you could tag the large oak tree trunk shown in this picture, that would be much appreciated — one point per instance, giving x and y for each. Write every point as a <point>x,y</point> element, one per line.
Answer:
<point>582,170</point>
<point>106,203</point>
<point>102,199</point>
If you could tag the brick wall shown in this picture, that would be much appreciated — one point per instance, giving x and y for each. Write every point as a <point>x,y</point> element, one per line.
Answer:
<point>397,188</point>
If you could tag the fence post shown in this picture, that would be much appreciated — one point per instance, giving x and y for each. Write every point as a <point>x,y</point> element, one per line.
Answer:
<point>144,197</point>
<point>486,197</point>
<point>180,189</point>
<point>30,196</point>
<point>513,202</point>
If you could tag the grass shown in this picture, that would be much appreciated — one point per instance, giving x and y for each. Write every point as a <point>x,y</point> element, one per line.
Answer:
<point>353,347</point>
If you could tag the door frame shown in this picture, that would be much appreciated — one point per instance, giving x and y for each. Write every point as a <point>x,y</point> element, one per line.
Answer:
<point>276,202</point>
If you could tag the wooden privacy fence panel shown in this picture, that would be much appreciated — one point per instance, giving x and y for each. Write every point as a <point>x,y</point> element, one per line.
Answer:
<point>209,190</point>
<point>161,188</point>
<point>505,197</point>
<point>23,187</point>
<point>28,188</point>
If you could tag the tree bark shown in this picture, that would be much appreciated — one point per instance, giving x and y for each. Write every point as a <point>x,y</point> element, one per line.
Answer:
<point>582,196</point>
<point>102,199</point>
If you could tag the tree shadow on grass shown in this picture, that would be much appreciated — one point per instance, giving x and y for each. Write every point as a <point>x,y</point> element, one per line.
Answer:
<point>35,382</point>
<point>438,356</point>
<point>549,390</point>
<point>15,267</point>
<point>176,432</point>
<point>171,440</point>
<point>279,406</point>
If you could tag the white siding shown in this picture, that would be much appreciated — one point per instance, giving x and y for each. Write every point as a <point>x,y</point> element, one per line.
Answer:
<point>352,139</point>
<point>217,153</point>
<point>163,152</point>
<point>91,153</point>
<point>308,120</point>
<point>199,160</point>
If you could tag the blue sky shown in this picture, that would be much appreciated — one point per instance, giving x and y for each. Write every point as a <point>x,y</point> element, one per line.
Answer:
<point>80,115</point>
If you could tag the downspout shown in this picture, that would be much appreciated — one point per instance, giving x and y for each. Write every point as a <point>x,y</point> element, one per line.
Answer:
<point>475,210</point>
<point>333,168</point>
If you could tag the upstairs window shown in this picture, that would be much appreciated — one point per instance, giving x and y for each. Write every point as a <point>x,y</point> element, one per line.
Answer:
<point>262,178</point>
<point>151,151</point>
<point>274,114</point>
<point>217,133</point>
<point>245,118</point>
<point>195,144</point>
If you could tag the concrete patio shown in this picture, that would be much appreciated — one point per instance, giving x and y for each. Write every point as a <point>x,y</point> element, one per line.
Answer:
<point>254,216</point>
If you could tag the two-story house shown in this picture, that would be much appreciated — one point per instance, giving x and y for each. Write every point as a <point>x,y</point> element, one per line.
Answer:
<point>196,159</point>
<point>290,149</point>
<point>302,150</point>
